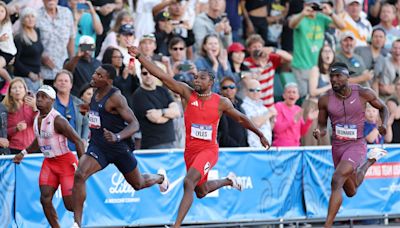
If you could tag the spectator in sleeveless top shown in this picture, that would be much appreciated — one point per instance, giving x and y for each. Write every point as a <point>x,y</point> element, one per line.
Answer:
<point>319,84</point>
<point>30,49</point>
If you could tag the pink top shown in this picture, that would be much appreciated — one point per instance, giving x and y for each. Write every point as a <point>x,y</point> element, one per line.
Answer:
<point>286,131</point>
<point>21,139</point>
<point>51,143</point>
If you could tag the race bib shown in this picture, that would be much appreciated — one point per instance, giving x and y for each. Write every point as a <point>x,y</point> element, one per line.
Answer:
<point>346,132</point>
<point>94,120</point>
<point>200,131</point>
<point>46,150</point>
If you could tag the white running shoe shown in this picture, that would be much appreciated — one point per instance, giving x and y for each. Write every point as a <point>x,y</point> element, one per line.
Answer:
<point>75,225</point>
<point>376,153</point>
<point>165,184</point>
<point>235,184</point>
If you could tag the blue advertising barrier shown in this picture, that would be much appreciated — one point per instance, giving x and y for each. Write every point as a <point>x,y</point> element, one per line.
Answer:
<point>7,192</point>
<point>280,183</point>
<point>379,194</point>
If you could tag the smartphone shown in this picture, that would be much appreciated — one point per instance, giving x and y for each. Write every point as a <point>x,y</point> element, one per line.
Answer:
<point>316,7</point>
<point>185,67</point>
<point>82,6</point>
<point>157,57</point>
<point>87,47</point>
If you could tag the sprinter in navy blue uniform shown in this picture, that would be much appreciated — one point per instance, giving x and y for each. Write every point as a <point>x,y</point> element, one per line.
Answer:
<point>112,123</point>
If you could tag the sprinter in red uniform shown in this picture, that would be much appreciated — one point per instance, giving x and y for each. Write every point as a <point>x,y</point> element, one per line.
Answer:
<point>202,112</point>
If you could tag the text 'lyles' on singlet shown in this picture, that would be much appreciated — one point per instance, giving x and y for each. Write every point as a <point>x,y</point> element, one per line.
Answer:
<point>201,122</point>
<point>99,119</point>
<point>347,115</point>
<point>51,143</point>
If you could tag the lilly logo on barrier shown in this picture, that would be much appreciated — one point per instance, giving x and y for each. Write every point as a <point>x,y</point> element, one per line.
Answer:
<point>120,186</point>
<point>245,181</point>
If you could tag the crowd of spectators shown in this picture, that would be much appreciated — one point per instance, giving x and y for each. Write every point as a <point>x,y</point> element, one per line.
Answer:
<point>271,58</point>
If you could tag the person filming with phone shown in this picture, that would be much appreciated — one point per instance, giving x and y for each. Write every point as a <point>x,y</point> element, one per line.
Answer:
<point>82,65</point>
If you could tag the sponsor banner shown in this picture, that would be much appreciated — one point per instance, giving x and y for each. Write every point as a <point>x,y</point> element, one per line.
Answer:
<point>7,193</point>
<point>379,194</point>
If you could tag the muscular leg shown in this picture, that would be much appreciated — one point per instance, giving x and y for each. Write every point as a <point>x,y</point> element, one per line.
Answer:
<point>87,166</point>
<point>139,181</point>
<point>211,186</point>
<point>343,171</point>
<point>68,203</point>
<point>356,179</point>
<point>46,197</point>
<point>189,183</point>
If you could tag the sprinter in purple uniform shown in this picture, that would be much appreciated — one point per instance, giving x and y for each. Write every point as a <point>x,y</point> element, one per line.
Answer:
<point>345,105</point>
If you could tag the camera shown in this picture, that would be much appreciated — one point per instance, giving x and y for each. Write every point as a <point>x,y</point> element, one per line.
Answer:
<point>87,47</point>
<point>316,7</point>
<point>82,6</point>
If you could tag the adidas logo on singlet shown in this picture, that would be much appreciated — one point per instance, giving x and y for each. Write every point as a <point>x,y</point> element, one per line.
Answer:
<point>195,103</point>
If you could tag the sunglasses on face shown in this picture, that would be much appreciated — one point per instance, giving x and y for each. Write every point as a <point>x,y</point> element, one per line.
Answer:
<point>176,48</point>
<point>254,90</point>
<point>228,87</point>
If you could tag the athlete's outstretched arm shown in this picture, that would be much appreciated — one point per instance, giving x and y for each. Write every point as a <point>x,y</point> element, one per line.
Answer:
<point>177,87</point>
<point>62,126</point>
<point>370,96</point>
<point>120,105</point>
<point>227,108</point>
<point>322,117</point>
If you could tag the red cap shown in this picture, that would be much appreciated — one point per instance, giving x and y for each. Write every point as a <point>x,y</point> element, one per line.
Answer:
<point>235,47</point>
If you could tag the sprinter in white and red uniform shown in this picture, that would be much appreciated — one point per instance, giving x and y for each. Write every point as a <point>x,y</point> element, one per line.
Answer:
<point>52,132</point>
<point>203,110</point>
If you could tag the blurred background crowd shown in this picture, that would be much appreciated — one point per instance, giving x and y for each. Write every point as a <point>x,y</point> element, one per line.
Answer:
<point>270,57</point>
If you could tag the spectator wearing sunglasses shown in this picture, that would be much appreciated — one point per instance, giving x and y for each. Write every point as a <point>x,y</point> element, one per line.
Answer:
<point>290,125</point>
<point>255,110</point>
<point>359,74</point>
<point>155,110</point>
<point>183,69</point>
<point>230,132</point>
<point>68,106</point>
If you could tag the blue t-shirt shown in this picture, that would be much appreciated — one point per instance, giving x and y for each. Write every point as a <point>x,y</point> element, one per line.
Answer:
<point>368,127</point>
<point>69,114</point>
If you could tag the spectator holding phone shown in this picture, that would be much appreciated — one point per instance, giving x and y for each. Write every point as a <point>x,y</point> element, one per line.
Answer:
<point>183,68</point>
<point>86,20</point>
<point>21,107</point>
<point>82,65</point>
<point>126,79</point>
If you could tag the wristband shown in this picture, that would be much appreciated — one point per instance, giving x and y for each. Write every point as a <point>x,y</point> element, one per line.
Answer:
<point>24,152</point>
<point>118,137</point>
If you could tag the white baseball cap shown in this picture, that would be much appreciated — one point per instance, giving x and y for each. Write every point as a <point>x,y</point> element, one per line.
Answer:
<point>86,40</point>
<point>48,90</point>
<point>348,2</point>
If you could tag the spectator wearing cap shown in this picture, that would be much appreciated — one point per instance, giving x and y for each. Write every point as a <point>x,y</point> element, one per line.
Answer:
<point>230,132</point>
<point>355,22</point>
<point>86,21</point>
<point>148,46</point>
<point>213,57</point>
<point>82,65</point>
<point>390,72</point>
<point>213,22</point>
<point>57,34</point>
<point>255,110</point>
<point>68,106</point>
<point>29,50</point>
<point>359,73</point>
<point>290,125</point>
<point>21,107</point>
<point>263,61</point>
<point>125,37</point>
<point>308,38</point>
<point>236,54</point>
<point>171,23</point>
<point>387,16</point>
<point>123,17</point>
<point>182,68</point>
